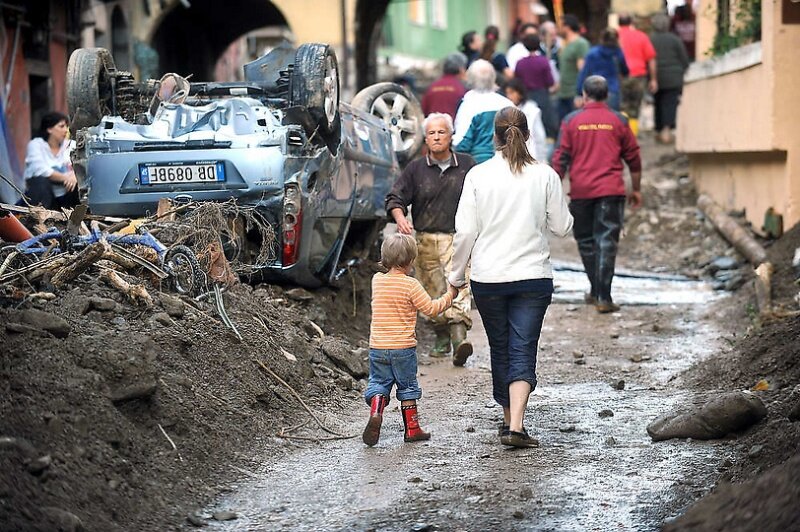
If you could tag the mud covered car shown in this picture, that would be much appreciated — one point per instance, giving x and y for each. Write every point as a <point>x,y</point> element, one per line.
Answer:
<point>281,142</point>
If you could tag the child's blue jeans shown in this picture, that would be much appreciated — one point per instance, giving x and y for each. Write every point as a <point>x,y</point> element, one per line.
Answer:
<point>393,367</point>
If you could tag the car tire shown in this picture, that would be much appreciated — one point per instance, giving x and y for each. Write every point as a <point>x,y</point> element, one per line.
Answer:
<point>400,111</point>
<point>89,86</point>
<point>314,85</point>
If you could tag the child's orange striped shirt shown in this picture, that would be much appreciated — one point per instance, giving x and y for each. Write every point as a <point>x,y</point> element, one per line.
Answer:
<point>395,300</point>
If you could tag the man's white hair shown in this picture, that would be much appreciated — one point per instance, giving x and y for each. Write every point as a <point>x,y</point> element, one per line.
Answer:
<point>438,116</point>
<point>481,76</point>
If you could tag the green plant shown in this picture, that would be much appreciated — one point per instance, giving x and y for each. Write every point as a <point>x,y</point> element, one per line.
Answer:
<point>744,29</point>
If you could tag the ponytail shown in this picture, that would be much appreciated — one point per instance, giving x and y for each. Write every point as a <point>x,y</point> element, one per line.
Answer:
<point>511,133</point>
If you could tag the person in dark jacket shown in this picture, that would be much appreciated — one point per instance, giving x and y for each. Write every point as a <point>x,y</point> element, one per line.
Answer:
<point>431,185</point>
<point>608,61</point>
<point>593,143</point>
<point>471,45</point>
<point>672,64</point>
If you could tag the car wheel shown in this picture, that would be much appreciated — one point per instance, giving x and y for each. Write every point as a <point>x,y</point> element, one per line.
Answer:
<point>315,85</point>
<point>89,74</point>
<point>400,111</point>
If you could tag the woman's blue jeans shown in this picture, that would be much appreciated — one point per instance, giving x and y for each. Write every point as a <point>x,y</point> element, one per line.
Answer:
<point>513,325</point>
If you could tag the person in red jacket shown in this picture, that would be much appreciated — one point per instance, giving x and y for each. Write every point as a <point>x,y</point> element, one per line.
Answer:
<point>593,143</point>
<point>444,94</point>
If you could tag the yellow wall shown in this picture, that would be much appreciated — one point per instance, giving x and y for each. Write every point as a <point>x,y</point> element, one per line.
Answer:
<point>740,128</point>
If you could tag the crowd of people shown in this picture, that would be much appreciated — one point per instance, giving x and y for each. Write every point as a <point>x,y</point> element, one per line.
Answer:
<point>485,202</point>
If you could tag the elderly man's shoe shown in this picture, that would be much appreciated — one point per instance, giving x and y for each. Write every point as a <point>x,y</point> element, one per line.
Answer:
<point>462,348</point>
<point>605,307</point>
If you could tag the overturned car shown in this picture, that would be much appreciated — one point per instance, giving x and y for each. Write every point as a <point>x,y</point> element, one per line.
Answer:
<point>280,142</point>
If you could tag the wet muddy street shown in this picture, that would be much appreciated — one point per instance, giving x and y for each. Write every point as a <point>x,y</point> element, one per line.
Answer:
<point>595,469</point>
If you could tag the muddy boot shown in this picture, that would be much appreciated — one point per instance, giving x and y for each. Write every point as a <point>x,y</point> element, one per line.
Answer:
<point>462,348</point>
<point>442,346</point>
<point>373,431</point>
<point>606,307</point>
<point>411,421</point>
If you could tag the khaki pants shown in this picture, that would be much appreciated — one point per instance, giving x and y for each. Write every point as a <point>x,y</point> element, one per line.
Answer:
<point>434,261</point>
<point>632,92</point>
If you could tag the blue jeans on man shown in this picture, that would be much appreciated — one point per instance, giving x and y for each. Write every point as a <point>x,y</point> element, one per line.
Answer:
<point>512,314</point>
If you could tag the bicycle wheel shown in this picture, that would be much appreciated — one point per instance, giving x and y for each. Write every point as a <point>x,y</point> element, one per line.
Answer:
<point>186,275</point>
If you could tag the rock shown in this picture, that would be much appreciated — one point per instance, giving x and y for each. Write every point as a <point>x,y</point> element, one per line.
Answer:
<point>606,413</point>
<point>611,441</point>
<point>173,306</point>
<point>470,429</point>
<point>566,428</point>
<point>754,451</point>
<point>45,321</point>
<point>577,354</point>
<point>345,382</point>
<point>299,294</point>
<point>519,515</point>
<point>102,304</point>
<point>618,385</point>
<point>794,412</point>
<point>723,263</point>
<point>726,413</point>
<point>580,361</point>
<point>163,318</point>
<point>415,480</point>
<point>196,520</point>
<point>421,527</point>
<point>37,467</point>
<point>614,335</point>
<point>341,354</point>
<point>224,515</point>
<point>137,390</point>
<point>62,520</point>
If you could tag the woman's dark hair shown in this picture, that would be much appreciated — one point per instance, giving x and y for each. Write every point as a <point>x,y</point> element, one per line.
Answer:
<point>610,38</point>
<point>491,33</point>
<point>488,49</point>
<point>511,132</point>
<point>49,120</point>
<point>466,40</point>
<point>531,42</point>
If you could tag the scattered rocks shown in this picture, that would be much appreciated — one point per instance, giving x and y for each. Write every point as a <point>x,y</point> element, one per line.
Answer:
<point>518,515</point>
<point>45,321</point>
<point>726,413</point>
<point>638,357</point>
<point>566,428</point>
<point>137,390</point>
<point>299,294</point>
<point>415,480</point>
<point>173,306</point>
<point>578,358</point>
<point>224,515</point>
<point>618,384</point>
<point>470,429</point>
<point>754,451</point>
<point>100,304</point>
<point>63,520</point>
<point>342,354</point>
<point>37,467</point>
<point>196,520</point>
<point>606,413</point>
<point>162,318</point>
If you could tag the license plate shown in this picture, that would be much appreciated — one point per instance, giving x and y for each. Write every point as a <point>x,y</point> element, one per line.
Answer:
<point>175,173</point>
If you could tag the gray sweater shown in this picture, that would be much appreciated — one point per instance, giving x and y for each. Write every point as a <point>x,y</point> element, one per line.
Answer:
<point>671,59</point>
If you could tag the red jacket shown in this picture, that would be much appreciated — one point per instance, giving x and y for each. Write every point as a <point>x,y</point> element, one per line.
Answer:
<point>443,96</point>
<point>592,144</point>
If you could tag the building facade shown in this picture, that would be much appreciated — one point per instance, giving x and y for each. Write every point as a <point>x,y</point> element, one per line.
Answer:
<point>736,121</point>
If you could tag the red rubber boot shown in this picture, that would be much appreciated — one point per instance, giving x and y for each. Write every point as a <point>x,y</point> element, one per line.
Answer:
<point>411,421</point>
<point>373,431</point>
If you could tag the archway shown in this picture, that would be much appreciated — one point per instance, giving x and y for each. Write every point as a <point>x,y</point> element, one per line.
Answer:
<point>190,40</point>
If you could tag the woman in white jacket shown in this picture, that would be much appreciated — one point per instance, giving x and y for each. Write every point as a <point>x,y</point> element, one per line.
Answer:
<point>509,204</point>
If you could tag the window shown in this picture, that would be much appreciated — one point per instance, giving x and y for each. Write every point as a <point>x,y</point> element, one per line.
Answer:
<point>439,14</point>
<point>416,12</point>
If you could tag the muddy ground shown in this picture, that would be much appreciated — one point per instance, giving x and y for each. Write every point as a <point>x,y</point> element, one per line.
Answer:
<point>77,449</point>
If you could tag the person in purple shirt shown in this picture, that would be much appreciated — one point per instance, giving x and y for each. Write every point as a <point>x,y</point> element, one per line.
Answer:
<point>534,72</point>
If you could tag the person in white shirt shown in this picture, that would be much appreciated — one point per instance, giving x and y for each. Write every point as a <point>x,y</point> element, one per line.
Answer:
<point>537,143</point>
<point>49,178</point>
<point>517,50</point>
<point>508,207</point>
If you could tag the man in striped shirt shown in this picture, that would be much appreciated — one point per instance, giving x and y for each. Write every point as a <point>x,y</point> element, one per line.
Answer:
<point>396,298</point>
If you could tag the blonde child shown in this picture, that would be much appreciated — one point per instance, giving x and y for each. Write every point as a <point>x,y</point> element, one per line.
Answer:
<point>396,298</point>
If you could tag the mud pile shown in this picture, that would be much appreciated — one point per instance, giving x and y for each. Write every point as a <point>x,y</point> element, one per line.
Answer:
<point>116,416</point>
<point>758,487</point>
